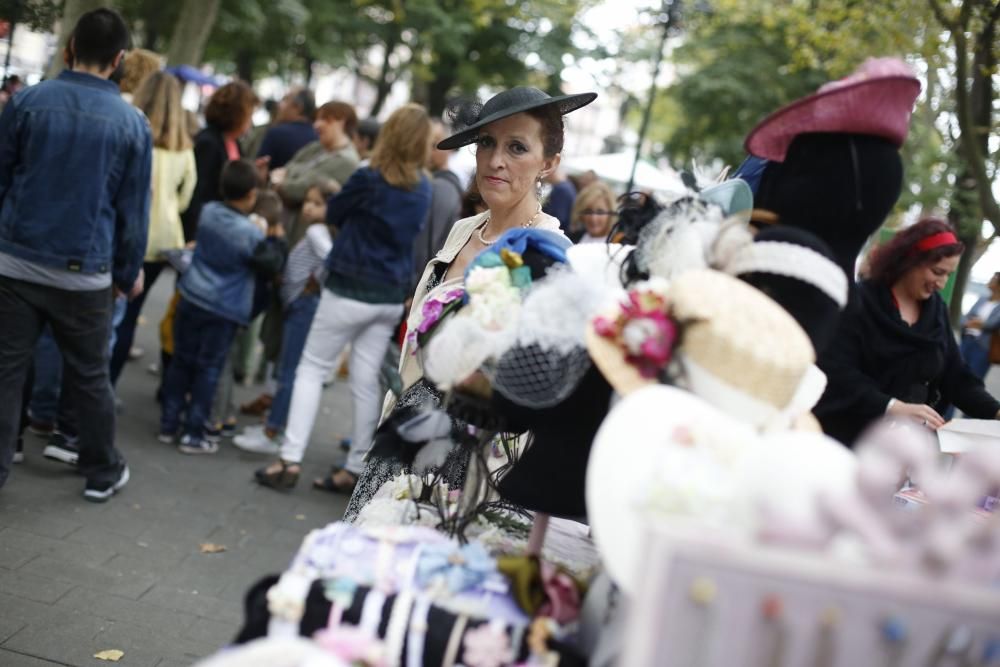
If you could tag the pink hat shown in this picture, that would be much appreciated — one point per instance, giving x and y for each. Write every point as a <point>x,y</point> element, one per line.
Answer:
<point>877,100</point>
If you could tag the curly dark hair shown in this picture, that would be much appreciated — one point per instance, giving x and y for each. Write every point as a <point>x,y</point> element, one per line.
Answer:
<point>230,106</point>
<point>891,260</point>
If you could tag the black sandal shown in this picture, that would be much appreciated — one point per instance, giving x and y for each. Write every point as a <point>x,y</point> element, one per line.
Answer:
<point>281,479</point>
<point>328,484</point>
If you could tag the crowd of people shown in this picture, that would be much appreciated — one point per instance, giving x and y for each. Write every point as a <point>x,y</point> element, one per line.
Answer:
<point>304,157</point>
<point>494,332</point>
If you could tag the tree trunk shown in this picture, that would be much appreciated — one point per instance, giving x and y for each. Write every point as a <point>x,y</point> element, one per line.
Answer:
<point>966,210</point>
<point>245,60</point>
<point>386,77</point>
<point>72,11</point>
<point>191,32</point>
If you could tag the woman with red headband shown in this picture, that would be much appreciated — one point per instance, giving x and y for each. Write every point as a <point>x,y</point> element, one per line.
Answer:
<point>895,353</point>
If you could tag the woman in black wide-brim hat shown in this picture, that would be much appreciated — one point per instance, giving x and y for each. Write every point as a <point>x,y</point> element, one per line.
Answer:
<point>518,136</point>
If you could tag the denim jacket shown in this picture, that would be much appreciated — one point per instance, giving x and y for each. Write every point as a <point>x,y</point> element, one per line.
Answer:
<point>75,165</point>
<point>229,253</point>
<point>377,224</point>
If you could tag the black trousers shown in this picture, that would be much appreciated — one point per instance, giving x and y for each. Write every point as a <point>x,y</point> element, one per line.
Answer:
<point>81,325</point>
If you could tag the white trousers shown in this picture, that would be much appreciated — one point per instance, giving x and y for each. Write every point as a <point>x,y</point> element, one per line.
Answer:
<point>368,327</point>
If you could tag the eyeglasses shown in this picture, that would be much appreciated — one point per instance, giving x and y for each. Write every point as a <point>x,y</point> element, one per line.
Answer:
<point>596,211</point>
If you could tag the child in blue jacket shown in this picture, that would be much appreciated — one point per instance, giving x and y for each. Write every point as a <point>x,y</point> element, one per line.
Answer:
<point>216,297</point>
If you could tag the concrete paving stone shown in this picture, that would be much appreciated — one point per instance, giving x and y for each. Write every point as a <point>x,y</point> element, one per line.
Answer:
<point>87,554</point>
<point>110,580</point>
<point>12,659</point>
<point>208,574</point>
<point>169,662</point>
<point>115,608</point>
<point>16,609</point>
<point>149,645</point>
<point>39,523</point>
<point>154,555</point>
<point>64,638</point>
<point>10,626</point>
<point>32,587</point>
<point>216,634</point>
<point>12,558</point>
<point>187,601</point>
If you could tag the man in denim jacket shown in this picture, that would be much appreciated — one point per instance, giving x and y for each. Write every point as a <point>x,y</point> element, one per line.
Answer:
<point>75,163</point>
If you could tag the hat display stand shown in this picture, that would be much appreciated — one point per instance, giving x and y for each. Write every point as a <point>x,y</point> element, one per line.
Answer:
<point>709,605</point>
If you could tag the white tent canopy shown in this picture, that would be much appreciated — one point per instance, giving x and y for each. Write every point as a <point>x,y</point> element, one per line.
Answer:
<point>615,168</point>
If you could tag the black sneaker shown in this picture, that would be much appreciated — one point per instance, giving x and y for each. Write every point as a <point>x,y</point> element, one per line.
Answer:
<point>212,433</point>
<point>19,450</point>
<point>100,493</point>
<point>62,448</point>
<point>191,445</point>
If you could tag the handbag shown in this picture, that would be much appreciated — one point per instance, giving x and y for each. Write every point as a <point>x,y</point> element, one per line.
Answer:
<point>995,348</point>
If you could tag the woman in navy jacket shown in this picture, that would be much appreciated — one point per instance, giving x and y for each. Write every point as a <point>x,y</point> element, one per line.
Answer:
<point>978,328</point>
<point>377,216</point>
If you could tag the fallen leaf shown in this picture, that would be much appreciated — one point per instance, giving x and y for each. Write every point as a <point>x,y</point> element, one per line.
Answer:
<point>209,548</point>
<point>300,517</point>
<point>111,655</point>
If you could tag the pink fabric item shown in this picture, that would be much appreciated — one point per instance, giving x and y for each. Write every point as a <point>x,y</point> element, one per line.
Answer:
<point>877,99</point>
<point>562,596</point>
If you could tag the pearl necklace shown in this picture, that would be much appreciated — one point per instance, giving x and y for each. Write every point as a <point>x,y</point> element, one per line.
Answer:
<point>479,230</point>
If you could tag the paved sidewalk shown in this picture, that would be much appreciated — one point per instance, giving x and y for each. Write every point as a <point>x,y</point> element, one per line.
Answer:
<point>78,578</point>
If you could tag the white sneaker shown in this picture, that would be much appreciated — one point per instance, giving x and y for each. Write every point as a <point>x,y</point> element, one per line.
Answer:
<point>257,442</point>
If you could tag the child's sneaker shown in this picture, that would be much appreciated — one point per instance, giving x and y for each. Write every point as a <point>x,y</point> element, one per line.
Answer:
<point>229,428</point>
<point>62,448</point>
<point>257,441</point>
<point>192,445</point>
<point>19,451</point>
<point>213,433</point>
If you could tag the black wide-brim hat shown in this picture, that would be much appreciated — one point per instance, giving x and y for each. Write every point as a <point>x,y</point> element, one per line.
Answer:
<point>509,102</point>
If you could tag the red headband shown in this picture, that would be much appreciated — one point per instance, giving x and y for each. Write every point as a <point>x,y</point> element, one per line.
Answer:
<point>935,241</point>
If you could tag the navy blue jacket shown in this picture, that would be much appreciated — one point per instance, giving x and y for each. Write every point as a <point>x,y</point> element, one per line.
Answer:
<point>284,140</point>
<point>229,253</point>
<point>377,224</point>
<point>75,163</point>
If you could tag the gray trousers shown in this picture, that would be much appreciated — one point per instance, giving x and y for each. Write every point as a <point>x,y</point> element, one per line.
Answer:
<point>81,325</point>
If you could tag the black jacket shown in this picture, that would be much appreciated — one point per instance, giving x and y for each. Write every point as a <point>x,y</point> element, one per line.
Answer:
<point>210,157</point>
<point>876,356</point>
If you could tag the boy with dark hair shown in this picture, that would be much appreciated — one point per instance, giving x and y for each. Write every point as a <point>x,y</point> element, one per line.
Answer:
<point>75,162</point>
<point>216,297</point>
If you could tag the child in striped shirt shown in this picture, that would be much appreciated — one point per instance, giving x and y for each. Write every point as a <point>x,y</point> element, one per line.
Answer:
<point>300,293</point>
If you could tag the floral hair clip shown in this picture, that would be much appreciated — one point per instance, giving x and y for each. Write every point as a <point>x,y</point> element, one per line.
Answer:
<point>643,329</point>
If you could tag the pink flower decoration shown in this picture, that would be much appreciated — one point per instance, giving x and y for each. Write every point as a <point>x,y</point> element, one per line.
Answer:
<point>643,330</point>
<point>486,646</point>
<point>563,604</point>
<point>431,312</point>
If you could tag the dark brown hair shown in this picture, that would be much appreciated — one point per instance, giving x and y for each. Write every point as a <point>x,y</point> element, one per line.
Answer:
<point>891,260</point>
<point>269,207</point>
<point>340,111</point>
<point>230,106</point>
<point>552,128</point>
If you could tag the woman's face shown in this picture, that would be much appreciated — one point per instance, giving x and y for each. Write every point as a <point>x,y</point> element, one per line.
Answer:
<point>510,159</point>
<point>922,281</point>
<point>329,130</point>
<point>596,217</point>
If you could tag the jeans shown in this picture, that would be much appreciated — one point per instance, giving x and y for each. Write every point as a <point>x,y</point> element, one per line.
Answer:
<point>66,418</point>
<point>201,342</point>
<point>298,318</point>
<point>81,325</point>
<point>368,327</point>
<point>975,355</point>
<point>44,405</point>
<point>125,331</point>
